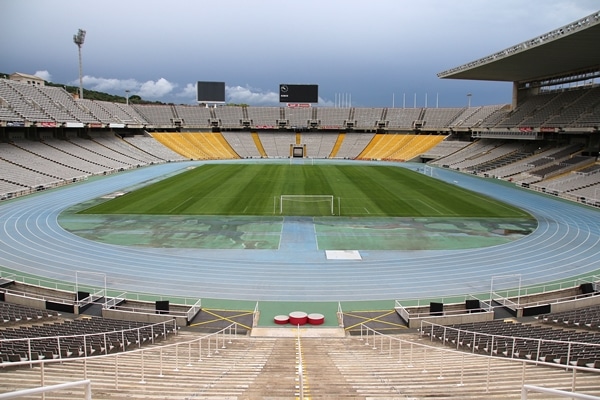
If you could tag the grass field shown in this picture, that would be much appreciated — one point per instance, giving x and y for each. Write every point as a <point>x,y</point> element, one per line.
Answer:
<point>255,189</point>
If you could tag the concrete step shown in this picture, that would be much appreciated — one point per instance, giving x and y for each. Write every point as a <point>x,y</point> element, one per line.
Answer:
<point>278,378</point>
<point>244,367</point>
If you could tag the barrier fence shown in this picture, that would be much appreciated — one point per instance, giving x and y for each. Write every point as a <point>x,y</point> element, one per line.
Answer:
<point>510,346</point>
<point>149,359</point>
<point>452,365</point>
<point>86,384</point>
<point>560,393</point>
<point>69,346</point>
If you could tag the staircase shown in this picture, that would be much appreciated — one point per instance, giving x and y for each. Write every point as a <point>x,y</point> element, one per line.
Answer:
<point>242,367</point>
<point>212,368</point>
<point>278,377</point>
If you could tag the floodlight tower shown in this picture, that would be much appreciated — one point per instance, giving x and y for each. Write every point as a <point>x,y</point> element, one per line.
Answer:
<point>78,40</point>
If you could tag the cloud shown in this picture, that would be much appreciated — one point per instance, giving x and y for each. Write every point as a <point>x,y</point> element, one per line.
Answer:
<point>45,75</point>
<point>151,89</point>
<point>394,55</point>
<point>237,95</point>
<point>249,95</point>
<point>188,92</point>
<point>109,85</point>
<point>245,95</point>
<point>325,103</point>
<point>164,90</point>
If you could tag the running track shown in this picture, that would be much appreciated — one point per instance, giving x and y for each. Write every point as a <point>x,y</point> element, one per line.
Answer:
<point>566,244</point>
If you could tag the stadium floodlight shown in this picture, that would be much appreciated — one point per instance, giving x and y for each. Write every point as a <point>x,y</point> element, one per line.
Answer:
<point>78,39</point>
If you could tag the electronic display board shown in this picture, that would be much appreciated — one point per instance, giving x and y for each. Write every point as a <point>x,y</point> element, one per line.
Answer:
<point>292,93</point>
<point>210,92</point>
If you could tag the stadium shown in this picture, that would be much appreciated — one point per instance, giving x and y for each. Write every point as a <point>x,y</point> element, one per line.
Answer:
<point>343,285</point>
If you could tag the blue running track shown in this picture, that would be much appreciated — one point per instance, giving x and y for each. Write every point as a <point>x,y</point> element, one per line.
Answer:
<point>565,244</point>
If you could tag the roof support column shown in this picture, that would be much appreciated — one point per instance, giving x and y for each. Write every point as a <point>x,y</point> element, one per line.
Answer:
<point>515,95</point>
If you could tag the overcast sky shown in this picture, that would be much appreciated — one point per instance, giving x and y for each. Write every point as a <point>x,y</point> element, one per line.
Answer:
<point>378,53</point>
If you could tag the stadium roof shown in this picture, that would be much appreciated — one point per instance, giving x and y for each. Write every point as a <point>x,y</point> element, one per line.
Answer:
<point>568,50</point>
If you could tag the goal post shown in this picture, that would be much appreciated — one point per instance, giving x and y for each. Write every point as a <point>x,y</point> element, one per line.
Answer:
<point>305,204</point>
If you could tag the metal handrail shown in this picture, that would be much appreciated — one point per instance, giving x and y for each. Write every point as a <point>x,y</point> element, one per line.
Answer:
<point>494,338</point>
<point>87,338</point>
<point>563,393</point>
<point>406,349</point>
<point>86,383</point>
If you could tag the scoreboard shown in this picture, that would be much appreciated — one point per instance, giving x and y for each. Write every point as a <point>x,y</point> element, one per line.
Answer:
<point>292,93</point>
<point>210,92</point>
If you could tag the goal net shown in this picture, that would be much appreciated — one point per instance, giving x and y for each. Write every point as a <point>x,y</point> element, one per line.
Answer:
<point>301,204</point>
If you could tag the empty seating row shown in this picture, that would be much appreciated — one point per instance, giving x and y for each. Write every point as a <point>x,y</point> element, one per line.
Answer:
<point>566,108</point>
<point>153,147</point>
<point>77,338</point>
<point>30,164</point>
<point>45,104</point>
<point>587,317</point>
<point>13,313</point>
<point>518,340</point>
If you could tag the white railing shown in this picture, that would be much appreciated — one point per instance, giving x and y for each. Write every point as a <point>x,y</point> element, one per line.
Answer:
<point>143,309</point>
<point>255,315</point>
<point>113,301</point>
<point>556,300</point>
<point>561,393</point>
<point>509,293</point>
<point>403,312</point>
<point>87,388</point>
<point>174,355</point>
<point>36,296</point>
<point>511,343</point>
<point>448,361</point>
<point>418,302</point>
<point>72,288</point>
<point>340,315</point>
<point>83,344</point>
<point>191,313</point>
<point>504,301</point>
<point>91,298</point>
<point>406,314</point>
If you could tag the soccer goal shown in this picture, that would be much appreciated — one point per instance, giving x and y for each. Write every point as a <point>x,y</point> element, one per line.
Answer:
<point>304,204</point>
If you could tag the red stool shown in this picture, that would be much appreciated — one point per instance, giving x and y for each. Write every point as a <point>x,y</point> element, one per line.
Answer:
<point>298,318</point>
<point>281,319</point>
<point>316,319</point>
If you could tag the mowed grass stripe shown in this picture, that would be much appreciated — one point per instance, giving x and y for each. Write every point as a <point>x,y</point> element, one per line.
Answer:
<point>250,189</point>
